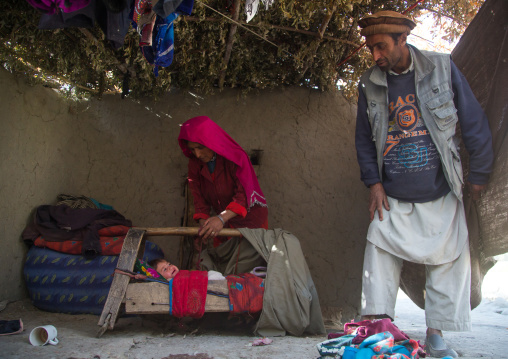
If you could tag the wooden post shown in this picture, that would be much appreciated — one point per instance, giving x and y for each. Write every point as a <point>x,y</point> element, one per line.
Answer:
<point>321,33</point>
<point>229,44</point>
<point>118,287</point>
<point>187,231</point>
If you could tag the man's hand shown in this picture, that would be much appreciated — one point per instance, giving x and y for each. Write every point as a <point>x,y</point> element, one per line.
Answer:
<point>377,201</point>
<point>476,190</point>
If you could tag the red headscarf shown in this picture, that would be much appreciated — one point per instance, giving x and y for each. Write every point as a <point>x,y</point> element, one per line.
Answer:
<point>204,131</point>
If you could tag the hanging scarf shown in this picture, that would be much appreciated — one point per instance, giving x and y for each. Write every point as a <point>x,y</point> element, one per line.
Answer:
<point>204,131</point>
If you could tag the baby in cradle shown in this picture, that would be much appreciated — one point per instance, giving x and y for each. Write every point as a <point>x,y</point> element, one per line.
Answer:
<point>164,268</point>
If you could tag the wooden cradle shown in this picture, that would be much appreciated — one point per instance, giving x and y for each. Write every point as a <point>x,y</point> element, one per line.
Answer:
<point>152,297</point>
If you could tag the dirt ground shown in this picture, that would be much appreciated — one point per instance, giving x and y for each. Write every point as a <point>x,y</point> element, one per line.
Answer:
<point>214,336</point>
<point>146,337</point>
<point>161,337</point>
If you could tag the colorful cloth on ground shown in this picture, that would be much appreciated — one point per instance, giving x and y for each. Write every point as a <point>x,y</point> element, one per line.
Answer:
<point>203,130</point>
<point>188,295</point>
<point>245,293</point>
<point>383,345</point>
<point>110,238</point>
<point>367,328</point>
<point>332,347</point>
<point>378,346</point>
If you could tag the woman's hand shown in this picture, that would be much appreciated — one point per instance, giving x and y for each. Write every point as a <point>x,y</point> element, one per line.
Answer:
<point>210,228</point>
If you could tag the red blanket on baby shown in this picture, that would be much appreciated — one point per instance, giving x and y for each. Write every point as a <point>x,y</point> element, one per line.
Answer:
<point>188,294</point>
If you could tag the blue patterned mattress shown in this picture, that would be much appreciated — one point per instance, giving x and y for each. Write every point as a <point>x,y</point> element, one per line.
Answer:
<point>68,283</point>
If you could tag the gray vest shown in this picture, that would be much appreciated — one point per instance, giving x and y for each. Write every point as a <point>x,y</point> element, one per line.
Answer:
<point>434,95</point>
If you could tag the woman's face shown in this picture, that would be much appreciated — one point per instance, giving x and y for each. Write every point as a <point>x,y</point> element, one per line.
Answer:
<point>201,152</point>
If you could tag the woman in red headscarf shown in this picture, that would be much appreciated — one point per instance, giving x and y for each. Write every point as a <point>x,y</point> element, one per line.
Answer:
<point>222,179</point>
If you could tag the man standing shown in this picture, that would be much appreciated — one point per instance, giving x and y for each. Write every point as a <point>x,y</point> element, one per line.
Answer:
<point>408,106</point>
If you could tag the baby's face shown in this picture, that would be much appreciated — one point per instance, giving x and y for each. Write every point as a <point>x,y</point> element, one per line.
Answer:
<point>167,269</point>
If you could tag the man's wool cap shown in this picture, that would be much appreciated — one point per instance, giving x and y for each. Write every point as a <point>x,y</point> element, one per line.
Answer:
<point>386,22</point>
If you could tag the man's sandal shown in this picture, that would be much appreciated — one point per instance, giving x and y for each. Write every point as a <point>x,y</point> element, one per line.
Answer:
<point>437,348</point>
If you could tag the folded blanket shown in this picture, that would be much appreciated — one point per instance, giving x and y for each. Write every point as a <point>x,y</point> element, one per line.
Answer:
<point>110,239</point>
<point>62,223</point>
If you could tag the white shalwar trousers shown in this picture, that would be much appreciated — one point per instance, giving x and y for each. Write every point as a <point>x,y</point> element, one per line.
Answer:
<point>447,287</point>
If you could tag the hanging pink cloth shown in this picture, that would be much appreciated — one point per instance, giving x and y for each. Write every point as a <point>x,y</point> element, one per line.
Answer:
<point>204,131</point>
<point>50,7</point>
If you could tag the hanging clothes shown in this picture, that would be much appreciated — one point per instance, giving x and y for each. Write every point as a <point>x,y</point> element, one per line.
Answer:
<point>158,52</point>
<point>251,7</point>
<point>164,8</point>
<point>53,6</point>
<point>114,24</point>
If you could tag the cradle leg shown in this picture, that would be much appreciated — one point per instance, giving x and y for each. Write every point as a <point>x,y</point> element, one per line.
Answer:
<point>104,326</point>
<point>119,285</point>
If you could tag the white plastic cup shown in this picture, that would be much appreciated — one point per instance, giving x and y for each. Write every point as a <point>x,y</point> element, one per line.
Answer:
<point>43,335</point>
